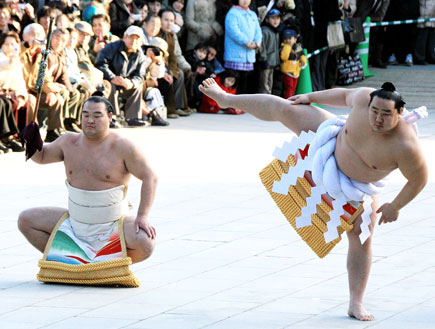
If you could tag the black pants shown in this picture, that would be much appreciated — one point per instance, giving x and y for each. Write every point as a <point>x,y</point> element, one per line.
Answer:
<point>318,70</point>
<point>8,126</point>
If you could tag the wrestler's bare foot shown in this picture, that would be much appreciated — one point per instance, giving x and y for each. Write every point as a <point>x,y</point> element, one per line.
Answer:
<point>212,90</point>
<point>358,312</point>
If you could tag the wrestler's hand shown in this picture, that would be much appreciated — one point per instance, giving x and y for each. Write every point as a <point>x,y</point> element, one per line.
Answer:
<point>144,224</point>
<point>389,213</point>
<point>300,99</point>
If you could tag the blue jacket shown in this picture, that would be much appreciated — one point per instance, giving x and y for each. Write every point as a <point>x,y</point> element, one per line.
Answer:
<point>241,27</point>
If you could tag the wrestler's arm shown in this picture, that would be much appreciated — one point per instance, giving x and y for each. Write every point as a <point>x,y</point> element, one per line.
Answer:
<point>51,152</point>
<point>413,166</point>
<point>136,164</point>
<point>337,97</point>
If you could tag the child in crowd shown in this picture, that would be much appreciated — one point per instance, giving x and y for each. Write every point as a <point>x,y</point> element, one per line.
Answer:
<point>227,80</point>
<point>292,61</point>
<point>213,66</point>
<point>196,58</point>
<point>268,55</point>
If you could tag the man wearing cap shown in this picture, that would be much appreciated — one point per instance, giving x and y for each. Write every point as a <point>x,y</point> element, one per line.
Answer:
<point>123,64</point>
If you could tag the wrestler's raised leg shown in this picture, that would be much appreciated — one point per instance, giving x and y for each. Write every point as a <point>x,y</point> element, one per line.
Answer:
<point>139,245</point>
<point>359,262</point>
<point>269,108</point>
<point>36,224</point>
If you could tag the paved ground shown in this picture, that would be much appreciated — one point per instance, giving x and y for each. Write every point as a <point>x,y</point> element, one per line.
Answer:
<point>225,256</point>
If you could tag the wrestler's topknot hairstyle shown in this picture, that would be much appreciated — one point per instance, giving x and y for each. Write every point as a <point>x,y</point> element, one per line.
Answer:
<point>96,98</point>
<point>388,91</point>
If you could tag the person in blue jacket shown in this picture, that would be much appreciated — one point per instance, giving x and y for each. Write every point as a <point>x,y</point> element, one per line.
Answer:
<point>242,37</point>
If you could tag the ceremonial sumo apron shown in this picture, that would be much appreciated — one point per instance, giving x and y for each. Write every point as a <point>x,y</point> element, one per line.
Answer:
<point>87,246</point>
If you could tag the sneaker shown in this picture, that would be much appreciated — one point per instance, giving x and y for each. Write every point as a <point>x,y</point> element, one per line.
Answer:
<point>392,60</point>
<point>15,146</point>
<point>408,60</point>
<point>182,113</point>
<point>135,122</point>
<point>173,116</point>
<point>156,119</point>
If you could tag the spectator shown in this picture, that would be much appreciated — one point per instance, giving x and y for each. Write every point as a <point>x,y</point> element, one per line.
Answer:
<point>12,89</point>
<point>87,69</point>
<point>177,6</point>
<point>92,9</point>
<point>196,58</point>
<point>152,96</point>
<point>292,61</point>
<point>214,67</point>
<point>425,41</point>
<point>126,73</point>
<point>6,24</point>
<point>376,10</point>
<point>401,52</point>
<point>242,38</point>
<point>78,81</point>
<point>22,13</point>
<point>151,27</point>
<point>123,13</point>
<point>59,80</point>
<point>63,22</point>
<point>101,36</point>
<point>324,11</point>
<point>268,54</point>
<point>172,84</point>
<point>228,82</point>
<point>201,22</point>
<point>43,17</point>
<point>52,97</point>
<point>154,7</point>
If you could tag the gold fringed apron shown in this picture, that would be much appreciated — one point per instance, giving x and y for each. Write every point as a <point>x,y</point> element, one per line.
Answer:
<point>100,259</point>
<point>291,205</point>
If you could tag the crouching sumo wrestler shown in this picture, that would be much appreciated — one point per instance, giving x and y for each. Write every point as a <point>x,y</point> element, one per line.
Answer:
<point>95,240</point>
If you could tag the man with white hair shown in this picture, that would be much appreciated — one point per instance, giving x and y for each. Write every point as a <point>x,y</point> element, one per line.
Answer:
<point>123,64</point>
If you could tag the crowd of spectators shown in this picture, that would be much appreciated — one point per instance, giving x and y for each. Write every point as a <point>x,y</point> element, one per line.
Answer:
<point>148,57</point>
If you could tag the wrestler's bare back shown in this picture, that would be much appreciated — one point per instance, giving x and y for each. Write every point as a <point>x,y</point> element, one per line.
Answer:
<point>95,165</point>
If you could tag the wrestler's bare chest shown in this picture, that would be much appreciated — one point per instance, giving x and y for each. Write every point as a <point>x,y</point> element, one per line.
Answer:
<point>94,168</point>
<point>363,155</point>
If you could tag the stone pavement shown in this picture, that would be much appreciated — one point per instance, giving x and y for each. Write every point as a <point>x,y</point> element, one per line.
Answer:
<point>225,256</point>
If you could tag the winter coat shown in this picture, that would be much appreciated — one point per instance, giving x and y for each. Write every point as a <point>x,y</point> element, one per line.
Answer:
<point>113,61</point>
<point>241,27</point>
<point>290,63</point>
<point>119,15</point>
<point>427,10</point>
<point>209,105</point>
<point>269,50</point>
<point>200,22</point>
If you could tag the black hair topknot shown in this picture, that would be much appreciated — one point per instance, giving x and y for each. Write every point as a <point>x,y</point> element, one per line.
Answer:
<point>388,86</point>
